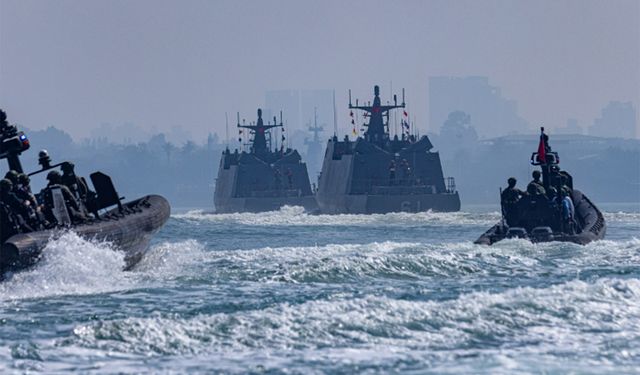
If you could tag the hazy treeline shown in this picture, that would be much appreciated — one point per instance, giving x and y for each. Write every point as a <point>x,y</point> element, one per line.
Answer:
<point>184,173</point>
<point>608,169</point>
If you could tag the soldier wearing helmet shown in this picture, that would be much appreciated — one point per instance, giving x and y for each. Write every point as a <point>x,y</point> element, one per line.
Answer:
<point>16,209</point>
<point>76,184</point>
<point>535,187</point>
<point>55,182</point>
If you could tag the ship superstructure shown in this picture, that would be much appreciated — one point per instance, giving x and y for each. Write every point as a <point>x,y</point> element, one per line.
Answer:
<point>262,178</point>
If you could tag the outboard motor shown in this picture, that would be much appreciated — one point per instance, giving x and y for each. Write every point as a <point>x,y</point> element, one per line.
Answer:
<point>516,232</point>
<point>541,234</point>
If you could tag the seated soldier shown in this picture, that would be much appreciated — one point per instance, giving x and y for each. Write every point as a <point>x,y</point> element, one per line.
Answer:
<point>564,181</point>
<point>568,213</point>
<point>55,182</point>
<point>535,187</point>
<point>18,208</point>
<point>8,224</point>
<point>77,186</point>
<point>23,191</point>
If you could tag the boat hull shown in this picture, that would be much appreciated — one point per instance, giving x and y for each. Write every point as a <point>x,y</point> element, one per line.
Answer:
<point>355,179</point>
<point>587,214</point>
<point>129,232</point>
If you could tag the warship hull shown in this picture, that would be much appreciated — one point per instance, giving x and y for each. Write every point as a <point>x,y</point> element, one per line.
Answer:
<point>247,183</point>
<point>128,230</point>
<point>354,180</point>
<point>380,204</point>
<point>587,215</point>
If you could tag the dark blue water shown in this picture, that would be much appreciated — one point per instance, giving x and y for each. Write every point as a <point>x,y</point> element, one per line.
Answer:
<point>284,292</point>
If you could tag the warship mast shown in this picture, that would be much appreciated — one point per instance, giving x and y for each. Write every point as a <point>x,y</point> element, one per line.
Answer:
<point>376,132</point>
<point>259,131</point>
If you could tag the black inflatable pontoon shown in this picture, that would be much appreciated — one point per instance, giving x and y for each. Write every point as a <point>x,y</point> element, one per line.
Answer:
<point>129,229</point>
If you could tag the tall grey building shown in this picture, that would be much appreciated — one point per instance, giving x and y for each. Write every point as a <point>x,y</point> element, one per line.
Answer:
<point>492,114</point>
<point>618,119</point>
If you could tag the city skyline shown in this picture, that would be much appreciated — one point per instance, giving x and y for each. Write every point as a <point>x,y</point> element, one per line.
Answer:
<point>164,65</point>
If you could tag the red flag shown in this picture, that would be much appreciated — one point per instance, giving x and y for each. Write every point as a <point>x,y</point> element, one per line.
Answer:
<point>542,152</point>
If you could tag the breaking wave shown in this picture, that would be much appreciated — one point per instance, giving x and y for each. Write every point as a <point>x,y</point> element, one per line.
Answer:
<point>295,215</point>
<point>595,322</point>
<point>68,265</point>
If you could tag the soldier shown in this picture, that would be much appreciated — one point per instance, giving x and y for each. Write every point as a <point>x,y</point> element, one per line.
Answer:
<point>564,187</point>
<point>535,187</point>
<point>55,182</point>
<point>290,178</point>
<point>406,171</point>
<point>392,172</point>
<point>23,190</point>
<point>277,178</point>
<point>568,213</point>
<point>18,210</point>
<point>511,194</point>
<point>77,186</point>
<point>13,177</point>
<point>509,198</point>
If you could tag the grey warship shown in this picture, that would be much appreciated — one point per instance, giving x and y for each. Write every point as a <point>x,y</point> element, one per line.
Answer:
<point>550,209</point>
<point>262,179</point>
<point>29,221</point>
<point>380,174</point>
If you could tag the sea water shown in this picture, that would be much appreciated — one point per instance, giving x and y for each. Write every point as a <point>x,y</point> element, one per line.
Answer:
<point>287,292</point>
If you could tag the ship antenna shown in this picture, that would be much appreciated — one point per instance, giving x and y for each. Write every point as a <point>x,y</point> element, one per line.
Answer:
<point>226,121</point>
<point>335,119</point>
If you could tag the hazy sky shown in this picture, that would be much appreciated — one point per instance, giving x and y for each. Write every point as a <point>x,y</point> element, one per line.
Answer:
<point>76,64</point>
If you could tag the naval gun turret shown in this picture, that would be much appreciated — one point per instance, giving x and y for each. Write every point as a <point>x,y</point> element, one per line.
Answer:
<point>550,209</point>
<point>264,178</point>
<point>377,174</point>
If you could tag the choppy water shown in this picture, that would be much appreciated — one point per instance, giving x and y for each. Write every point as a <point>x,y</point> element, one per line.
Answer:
<point>285,292</point>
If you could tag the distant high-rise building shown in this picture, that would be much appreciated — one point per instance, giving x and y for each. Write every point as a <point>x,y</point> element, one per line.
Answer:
<point>571,127</point>
<point>493,115</point>
<point>618,119</point>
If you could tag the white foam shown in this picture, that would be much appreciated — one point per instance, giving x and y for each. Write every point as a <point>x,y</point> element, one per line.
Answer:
<point>574,317</point>
<point>171,259</point>
<point>69,265</point>
<point>297,216</point>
